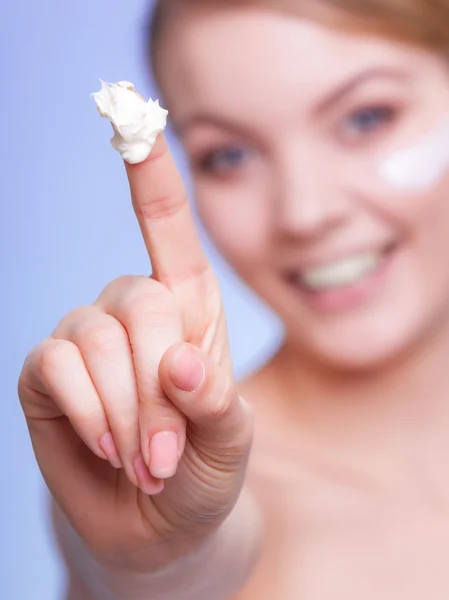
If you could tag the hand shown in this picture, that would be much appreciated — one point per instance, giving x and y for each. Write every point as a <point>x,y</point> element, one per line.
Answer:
<point>131,404</point>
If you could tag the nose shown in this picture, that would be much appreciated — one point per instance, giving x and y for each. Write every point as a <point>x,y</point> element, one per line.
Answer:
<point>310,201</point>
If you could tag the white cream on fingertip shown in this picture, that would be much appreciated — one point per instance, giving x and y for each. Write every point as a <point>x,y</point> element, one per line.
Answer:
<point>420,167</point>
<point>136,123</point>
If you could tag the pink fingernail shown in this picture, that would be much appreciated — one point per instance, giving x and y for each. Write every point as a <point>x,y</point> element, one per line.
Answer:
<point>164,452</point>
<point>110,450</point>
<point>147,483</point>
<point>187,370</point>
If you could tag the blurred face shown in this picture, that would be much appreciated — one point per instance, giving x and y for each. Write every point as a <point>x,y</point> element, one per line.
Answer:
<point>291,129</point>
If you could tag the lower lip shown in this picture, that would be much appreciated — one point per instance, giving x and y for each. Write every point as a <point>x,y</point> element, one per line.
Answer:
<point>354,295</point>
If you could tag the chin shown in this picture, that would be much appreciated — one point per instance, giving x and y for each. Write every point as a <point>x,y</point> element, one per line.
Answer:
<point>348,357</point>
<point>369,343</point>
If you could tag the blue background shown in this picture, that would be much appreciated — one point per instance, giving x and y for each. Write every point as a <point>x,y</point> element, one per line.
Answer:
<point>67,229</point>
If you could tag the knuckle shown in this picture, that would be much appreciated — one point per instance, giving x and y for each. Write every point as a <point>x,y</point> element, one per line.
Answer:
<point>101,337</point>
<point>158,404</point>
<point>53,356</point>
<point>69,322</point>
<point>163,205</point>
<point>222,400</point>
<point>28,372</point>
<point>136,298</point>
<point>94,330</point>
<point>149,300</point>
<point>88,415</point>
<point>119,285</point>
<point>160,411</point>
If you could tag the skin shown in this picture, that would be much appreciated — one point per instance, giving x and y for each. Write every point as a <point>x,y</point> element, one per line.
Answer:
<point>349,457</point>
<point>148,358</point>
<point>347,462</point>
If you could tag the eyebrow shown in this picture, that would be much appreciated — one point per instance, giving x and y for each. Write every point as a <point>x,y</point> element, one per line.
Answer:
<point>334,98</point>
<point>205,118</point>
<point>357,80</point>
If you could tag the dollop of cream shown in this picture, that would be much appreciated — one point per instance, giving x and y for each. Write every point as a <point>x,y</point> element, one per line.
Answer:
<point>136,123</point>
<point>419,167</point>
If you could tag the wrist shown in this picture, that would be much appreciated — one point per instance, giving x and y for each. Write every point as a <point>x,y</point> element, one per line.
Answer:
<point>214,567</point>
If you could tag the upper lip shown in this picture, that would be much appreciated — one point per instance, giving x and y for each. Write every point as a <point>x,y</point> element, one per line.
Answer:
<point>324,259</point>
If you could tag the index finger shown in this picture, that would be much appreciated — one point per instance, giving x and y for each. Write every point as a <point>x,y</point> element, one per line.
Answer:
<point>166,221</point>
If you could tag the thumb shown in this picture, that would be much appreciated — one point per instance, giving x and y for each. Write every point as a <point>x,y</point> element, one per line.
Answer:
<point>206,394</point>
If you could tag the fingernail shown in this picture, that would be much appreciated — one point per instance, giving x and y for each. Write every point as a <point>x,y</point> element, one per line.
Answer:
<point>164,452</point>
<point>147,483</point>
<point>110,450</point>
<point>187,370</point>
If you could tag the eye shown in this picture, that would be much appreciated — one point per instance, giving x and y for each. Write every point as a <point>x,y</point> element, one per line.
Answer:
<point>366,121</point>
<point>223,161</point>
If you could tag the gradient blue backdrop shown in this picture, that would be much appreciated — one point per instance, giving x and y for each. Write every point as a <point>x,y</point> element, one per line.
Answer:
<point>67,229</point>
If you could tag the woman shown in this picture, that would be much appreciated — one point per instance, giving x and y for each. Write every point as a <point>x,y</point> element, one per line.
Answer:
<point>317,134</point>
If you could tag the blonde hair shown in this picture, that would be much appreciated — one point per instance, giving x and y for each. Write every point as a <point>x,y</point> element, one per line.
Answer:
<point>419,22</point>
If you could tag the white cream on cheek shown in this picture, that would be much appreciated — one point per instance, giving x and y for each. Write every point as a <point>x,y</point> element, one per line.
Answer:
<point>420,167</point>
<point>136,123</point>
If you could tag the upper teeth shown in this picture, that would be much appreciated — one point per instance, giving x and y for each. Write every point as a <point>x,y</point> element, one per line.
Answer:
<point>340,273</point>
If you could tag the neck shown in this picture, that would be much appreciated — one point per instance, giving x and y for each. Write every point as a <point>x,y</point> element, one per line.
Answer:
<point>391,410</point>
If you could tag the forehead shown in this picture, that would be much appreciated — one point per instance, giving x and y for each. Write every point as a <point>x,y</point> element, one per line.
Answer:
<point>226,56</point>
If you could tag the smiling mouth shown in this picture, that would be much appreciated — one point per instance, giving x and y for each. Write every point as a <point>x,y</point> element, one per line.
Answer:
<point>343,273</point>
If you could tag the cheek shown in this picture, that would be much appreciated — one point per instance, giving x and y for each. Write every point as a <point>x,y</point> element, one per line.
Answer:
<point>410,195</point>
<point>238,224</point>
<point>411,179</point>
<point>422,221</point>
<point>420,167</point>
<point>410,212</point>
<point>431,230</point>
<point>416,214</point>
